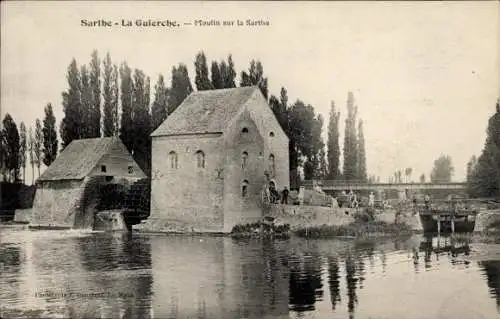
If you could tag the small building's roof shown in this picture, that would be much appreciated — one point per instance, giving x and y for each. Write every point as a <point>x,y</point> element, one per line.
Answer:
<point>78,158</point>
<point>205,112</point>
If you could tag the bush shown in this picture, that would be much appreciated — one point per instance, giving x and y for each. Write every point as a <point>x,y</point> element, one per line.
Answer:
<point>355,229</point>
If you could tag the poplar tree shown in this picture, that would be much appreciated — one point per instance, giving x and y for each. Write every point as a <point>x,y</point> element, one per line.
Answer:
<point>333,144</point>
<point>49,136</point>
<point>159,108</point>
<point>350,143</point>
<point>180,87</point>
<point>201,79</point>
<point>126,127</point>
<point>71,125</point>
<point>255,77</point>
<point>95,96</point>
<point>361,161</point>
<point>31,145</point>
<point>86,105</point>
<point>22,148</point>
<point>141,120</point>
<point>110,97</point>
<point>37,146</point>
<point>229,73</point>
<point>11,147</point>
<point>217,80</point>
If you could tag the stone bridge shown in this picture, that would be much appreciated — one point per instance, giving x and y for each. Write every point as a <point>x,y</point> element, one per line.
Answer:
<point>329,186</point>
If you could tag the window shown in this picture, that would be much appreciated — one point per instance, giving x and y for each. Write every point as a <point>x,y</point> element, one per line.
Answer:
<point>200,159</point>
<point>244,188</point>
<point>271,134</point>
<point>173,159</point>
<point>244,159</point>
<point>244,130</point>
<point>130,169</point>
<point>103,168</point>
<point>271,165</point>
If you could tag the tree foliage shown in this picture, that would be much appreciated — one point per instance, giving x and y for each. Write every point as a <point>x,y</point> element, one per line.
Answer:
<point>49,136</point>
<point>201,79</point>
<point>361,154</point>
<point>86,104</point>
<point>160,106</point>
<point>484,179</point>
<point>110,98</point>
<point>141,120</point>
<point>31,153</point>
<point>22,148</point>
<point>10,147</point>
<point>95,96</point>
<point>71,125</point>
<point>255,77</point>
<point>443,169</point>
<point>350,141</point>
<point>180,88</point>
<point>126,88</point>
<point>216,76</point>
<point>333,144</point>
<point>38,144</point>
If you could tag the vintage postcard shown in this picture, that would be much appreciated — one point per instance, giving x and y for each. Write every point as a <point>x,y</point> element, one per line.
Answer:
<point>301,159</point>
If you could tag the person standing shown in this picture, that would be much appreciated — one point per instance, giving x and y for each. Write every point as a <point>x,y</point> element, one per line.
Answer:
<point>371,200</point>
<point>284,196</point>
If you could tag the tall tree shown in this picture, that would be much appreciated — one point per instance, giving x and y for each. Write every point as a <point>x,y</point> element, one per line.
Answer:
<point>49,136</point>
<point>159,108</point>
<point>141,120</point>
<point>255,77</point>
<point>217,79</point>
<point>350,141</point>
<point>127,86</point>
<point>22,148</point>
<point>471,165</point>
<point>485,179</point>
<point>31,153</point>
<point>71,125</point>
<point>333,144</point>
<point>442,170</point>
<point>422,178</point>
<point>201,79</point>
<point>180,88</point>
<point>95,97</point>
<point>3,154</point>
<point>11,149</point>
<point>86,106</point>
<point>361,154</point>
<point>110,97</point>
<point>229,73</point>
<point>38,143</point>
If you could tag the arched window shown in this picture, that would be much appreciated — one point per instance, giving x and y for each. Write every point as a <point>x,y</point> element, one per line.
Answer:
<point>244,188</point>
<point>271,165</point>
<point>200,159</point>
<point>244,130</point>
<point>271,134</point>
<point>244,159</point>
<point>173,159</point>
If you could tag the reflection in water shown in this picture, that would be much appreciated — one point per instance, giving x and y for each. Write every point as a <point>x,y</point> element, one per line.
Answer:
<point>145,276</point>
<point>492,270</point>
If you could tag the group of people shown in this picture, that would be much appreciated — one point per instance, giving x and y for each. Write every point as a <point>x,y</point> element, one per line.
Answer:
<point>272,195</point>
<point>354,202</point>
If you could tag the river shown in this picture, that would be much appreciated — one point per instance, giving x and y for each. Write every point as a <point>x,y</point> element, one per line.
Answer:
<point>114,275</point>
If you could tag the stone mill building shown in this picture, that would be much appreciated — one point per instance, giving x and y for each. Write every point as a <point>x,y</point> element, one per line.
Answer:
<point>211,159</point>
<point>67,189</point>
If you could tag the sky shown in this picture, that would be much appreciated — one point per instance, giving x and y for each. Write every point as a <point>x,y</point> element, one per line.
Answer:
<point>425,75</point>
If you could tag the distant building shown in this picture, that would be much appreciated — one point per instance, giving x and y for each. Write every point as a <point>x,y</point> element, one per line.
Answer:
<point>60,199</point>
<point>211,158</point>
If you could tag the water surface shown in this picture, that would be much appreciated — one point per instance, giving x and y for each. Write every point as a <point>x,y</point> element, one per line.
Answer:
<point>105,275</point>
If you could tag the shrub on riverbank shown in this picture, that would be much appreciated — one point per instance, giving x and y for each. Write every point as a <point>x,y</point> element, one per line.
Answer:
<point>358,228</point>
<point>258,229</point>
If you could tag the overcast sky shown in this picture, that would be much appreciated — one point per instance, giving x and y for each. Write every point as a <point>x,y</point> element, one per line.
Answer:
<point>425,75</point>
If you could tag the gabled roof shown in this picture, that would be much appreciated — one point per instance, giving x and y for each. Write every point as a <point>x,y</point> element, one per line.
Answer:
<point>78,158</point>
<point>205,112</point>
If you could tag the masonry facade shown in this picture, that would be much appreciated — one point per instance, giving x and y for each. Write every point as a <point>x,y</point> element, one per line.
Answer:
<point>211,159</point>
<point>66,191</point>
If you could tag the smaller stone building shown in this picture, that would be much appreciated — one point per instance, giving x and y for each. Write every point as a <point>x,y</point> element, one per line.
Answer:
<point>211,159</point>
<point>66,191</point>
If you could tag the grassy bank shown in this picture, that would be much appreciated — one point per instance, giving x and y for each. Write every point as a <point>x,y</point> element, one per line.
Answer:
<point>260,229</point>
<point>357,229</point>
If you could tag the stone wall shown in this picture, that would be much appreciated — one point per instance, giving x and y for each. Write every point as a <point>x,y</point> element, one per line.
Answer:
<point>187,194</point>
<point>23,215</point>
<point>56,203</point>
<point>299,216</point>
